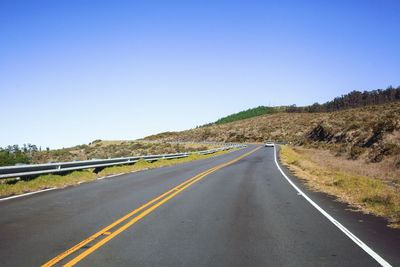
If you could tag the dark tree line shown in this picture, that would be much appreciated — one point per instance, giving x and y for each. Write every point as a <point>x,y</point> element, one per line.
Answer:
<point>353,99</point>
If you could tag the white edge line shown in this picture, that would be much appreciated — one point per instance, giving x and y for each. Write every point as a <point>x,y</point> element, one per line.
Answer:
<point>27,194</point>
<point>110,176</point>
<point>349,234</point>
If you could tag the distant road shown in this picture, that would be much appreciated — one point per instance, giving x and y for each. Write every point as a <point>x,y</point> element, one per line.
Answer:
<point>236,209</point>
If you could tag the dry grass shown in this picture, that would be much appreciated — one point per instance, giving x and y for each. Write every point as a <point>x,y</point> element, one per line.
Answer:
<point>352,184</point>
<point>12,187</point>
<point>383,170</point>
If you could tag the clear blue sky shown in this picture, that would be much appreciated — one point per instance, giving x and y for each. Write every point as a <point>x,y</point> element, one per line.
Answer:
<point>75,71</point>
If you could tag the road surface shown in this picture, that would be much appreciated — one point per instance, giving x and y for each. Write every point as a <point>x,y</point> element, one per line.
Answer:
<point>236,209</point>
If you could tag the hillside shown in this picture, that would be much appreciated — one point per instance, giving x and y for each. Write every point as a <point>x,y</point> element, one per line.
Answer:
<point>370,133</point>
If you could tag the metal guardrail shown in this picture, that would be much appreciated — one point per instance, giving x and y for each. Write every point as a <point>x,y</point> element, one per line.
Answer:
<point>62,167</point>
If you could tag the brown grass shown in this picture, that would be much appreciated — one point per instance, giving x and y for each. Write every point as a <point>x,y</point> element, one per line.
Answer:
<point>351,181</point>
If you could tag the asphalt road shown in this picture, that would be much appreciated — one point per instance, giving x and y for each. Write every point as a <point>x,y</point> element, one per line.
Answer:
<point>222,211</point>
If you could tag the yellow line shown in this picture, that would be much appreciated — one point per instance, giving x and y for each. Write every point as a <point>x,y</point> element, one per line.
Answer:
<point>167,196</point>
<point>119,221</point>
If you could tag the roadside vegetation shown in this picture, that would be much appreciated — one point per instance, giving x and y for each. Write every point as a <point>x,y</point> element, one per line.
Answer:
<point>359,185</point>
<point>9,187</point>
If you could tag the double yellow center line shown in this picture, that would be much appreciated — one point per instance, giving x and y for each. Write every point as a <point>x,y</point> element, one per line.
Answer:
<point>106,234</point>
